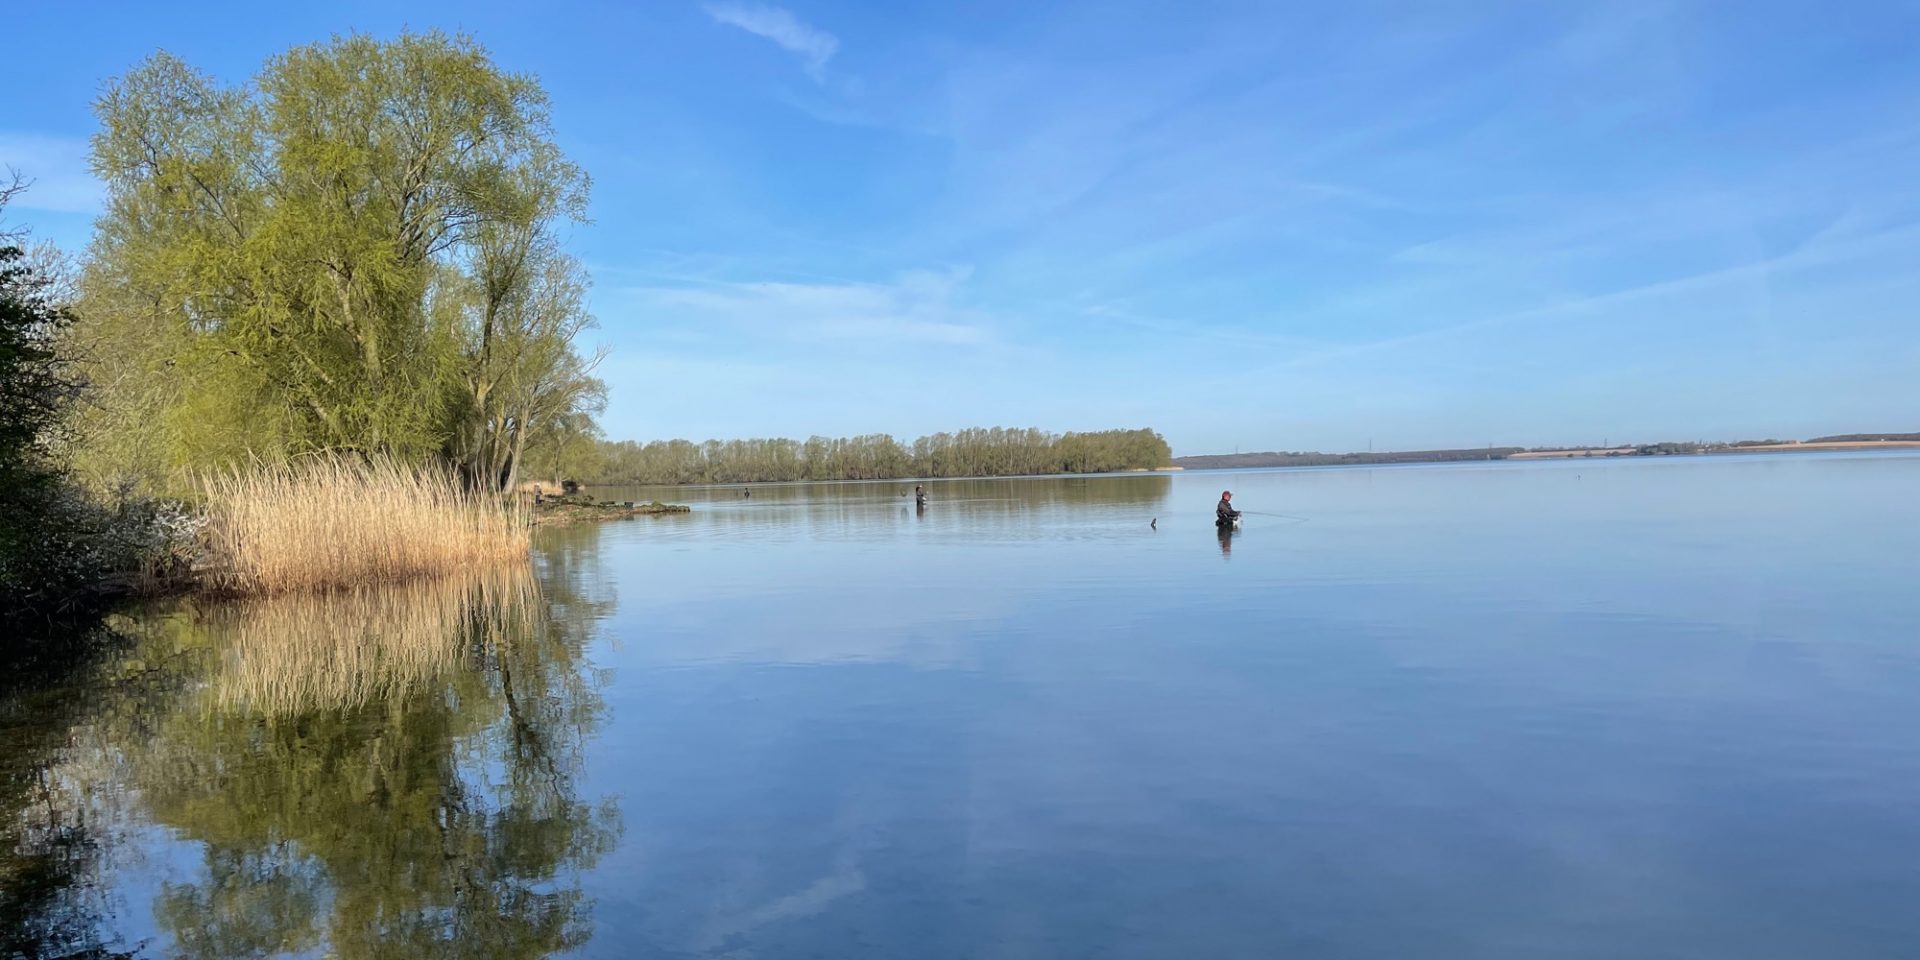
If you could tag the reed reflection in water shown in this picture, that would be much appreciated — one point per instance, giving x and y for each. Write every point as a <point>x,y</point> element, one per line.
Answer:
<point>391,771</point>
<point>292,654</point>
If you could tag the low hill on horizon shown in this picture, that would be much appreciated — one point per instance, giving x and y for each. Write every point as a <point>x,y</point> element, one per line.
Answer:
<point>1220,461</point>
<point>1228,461</point>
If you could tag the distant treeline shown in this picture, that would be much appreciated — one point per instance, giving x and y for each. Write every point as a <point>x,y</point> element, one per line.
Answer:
<point>1865,437</point>
<point>1277,459</point>
<point>995,452</point>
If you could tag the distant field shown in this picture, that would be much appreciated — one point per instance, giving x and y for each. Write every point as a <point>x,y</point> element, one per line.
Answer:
<point>1867,438</point>
<point>1860,441</point>
<point>1910,441</point>
<point>1736,448</point>
<point>1225,461</point>
<point>1563,454</point>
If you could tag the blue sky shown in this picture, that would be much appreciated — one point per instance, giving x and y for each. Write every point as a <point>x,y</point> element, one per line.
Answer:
<point>1251,226</point>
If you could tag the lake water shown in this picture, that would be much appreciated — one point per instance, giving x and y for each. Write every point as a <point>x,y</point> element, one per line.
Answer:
<point>1604,708</point>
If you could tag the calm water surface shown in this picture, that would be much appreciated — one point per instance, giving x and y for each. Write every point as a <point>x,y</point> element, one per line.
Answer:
<point>1645,708</point>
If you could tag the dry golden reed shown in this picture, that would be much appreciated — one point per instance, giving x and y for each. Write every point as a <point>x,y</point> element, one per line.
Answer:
<point>294,654</point>
<point>330,522</point>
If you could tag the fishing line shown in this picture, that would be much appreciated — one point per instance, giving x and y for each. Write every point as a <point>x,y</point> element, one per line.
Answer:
<point>1281,516</point>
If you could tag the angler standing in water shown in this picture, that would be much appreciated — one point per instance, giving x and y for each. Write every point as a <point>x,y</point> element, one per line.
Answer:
<point>1225,515</point>
<point>919,495</point>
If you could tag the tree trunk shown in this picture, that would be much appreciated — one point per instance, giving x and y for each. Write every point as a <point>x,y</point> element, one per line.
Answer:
<point>519,450</point>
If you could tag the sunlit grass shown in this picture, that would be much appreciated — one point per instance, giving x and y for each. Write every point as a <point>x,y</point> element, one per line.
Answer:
<point>332,522</point>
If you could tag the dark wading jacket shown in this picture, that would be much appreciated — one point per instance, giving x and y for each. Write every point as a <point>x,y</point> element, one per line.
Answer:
<point>1224,513</point>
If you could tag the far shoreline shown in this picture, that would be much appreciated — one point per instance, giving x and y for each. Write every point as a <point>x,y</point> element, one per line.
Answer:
<point>1332,461</point>
<point>1792,447</point>
<point>744,484</point>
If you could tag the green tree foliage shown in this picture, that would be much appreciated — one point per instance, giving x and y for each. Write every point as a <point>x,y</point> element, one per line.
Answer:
<point>353,252</point>
<point>995,452</point>
<point>521,381</point>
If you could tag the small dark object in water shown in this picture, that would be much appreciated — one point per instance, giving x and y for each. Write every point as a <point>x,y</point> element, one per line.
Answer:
<point>1155,524</point>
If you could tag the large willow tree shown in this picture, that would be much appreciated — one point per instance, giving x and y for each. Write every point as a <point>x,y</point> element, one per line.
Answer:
<point>355,251</point>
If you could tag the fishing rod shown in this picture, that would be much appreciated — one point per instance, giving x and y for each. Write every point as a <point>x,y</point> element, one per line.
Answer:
<point>1281,516</point>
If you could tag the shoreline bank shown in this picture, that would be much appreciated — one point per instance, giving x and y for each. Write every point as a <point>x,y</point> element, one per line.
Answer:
<point>561,511</point>
<point>1809,446</point>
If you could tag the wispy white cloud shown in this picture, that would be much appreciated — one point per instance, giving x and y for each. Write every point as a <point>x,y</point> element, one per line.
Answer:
<point>1826,248</point>
<point>1186,328</point>
<point>57,168</point>
<point>920,306</point>
<point>812,45</point>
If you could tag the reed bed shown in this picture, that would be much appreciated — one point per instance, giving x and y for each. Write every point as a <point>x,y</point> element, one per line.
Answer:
<point>295,654</point>
<point>332,522</point>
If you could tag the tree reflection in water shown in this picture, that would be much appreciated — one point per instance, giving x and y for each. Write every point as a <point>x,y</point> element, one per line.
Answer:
<point>386,772</point>
<point>51,840</point>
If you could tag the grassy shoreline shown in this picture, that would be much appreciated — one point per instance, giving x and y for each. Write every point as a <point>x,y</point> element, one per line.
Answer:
<point>322,525</point>
<point>335,522</point>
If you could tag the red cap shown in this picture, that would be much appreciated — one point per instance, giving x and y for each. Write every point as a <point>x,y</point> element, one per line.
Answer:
<point>1226,493</point>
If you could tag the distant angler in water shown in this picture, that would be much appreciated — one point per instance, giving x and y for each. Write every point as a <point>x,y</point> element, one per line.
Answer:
<point>1224,515</point>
